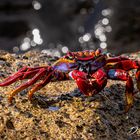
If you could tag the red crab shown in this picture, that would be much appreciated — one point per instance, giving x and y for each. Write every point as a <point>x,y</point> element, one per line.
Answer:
<point>90,70</point>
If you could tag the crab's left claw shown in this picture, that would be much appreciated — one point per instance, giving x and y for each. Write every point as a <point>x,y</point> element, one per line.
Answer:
<point>89,85</point>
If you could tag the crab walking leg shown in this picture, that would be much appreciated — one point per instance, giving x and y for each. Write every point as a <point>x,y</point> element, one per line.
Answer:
<point>138,75</point>
<point>51,77</point>
<point>26,84</point>
<point>39,85</point>
<point>23,73</point>
<point>11,79</point>
<point>124,64</point>
<point>119,74</point>
<point>90,85</point>
<point>117,59</point>
<point>138,78</point>
<point>19,76</point>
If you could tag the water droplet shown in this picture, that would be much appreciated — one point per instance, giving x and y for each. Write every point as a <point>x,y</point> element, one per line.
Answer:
<point>53,108</point>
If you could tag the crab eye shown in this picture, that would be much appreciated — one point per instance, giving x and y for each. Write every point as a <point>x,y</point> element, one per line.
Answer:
<point>70,57</point>
<point>109,55</point>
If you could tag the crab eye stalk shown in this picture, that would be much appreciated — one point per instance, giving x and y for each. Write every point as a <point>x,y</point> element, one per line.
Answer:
<point>109,55</point>
<point>70,57</point>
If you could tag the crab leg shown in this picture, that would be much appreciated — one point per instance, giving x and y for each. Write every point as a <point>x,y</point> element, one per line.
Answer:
<point>27,84</point>
<point>51,77</point>
<point>23,73</point>
<point>124,64</point>
<point>119,74</point>
<point>117,59</point>
<point>138,78</point>
<point>40,85</point>
<point>11,79</point>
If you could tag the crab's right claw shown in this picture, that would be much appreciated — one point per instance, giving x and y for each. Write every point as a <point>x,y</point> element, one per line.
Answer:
<point>89,85</point>
<point>82,81</point>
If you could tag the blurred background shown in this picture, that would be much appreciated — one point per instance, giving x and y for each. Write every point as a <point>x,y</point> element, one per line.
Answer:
<point>58,26</point>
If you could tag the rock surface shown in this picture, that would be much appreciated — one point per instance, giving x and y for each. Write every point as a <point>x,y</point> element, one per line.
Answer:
<point>60,112</point>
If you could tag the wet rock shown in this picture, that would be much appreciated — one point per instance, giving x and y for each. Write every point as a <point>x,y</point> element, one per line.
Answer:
<point>65,97</point>
<point>9,124</point>
<point>28,114</point>
<point>2,62</point>
<point>19,64</point>
<point>42,101</point>
<point>25,57</point>
<point>45,134</point>
<point>79,128</point>
<point>60,111</point>
<point>60,123</point>
<point>1,98</point>
<point>2,74</point>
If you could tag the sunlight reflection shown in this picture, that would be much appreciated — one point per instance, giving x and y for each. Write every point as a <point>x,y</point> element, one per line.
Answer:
<point>105,21</point>
<point>65,49</point>
<point>108,28</point>
<point>56,53</point>
<point>102,37</point>
<point>106,12</point>
<point>37,5</point>
<point>36,36</point>
<point>25,46</point>
<point>102,28</point>
<point>15,49</point>
<point>81,40</point>
<point>87,37</point>
<point>103,45</point>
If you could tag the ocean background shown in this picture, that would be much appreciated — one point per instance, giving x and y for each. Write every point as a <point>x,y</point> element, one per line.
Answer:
<point>56,27</point>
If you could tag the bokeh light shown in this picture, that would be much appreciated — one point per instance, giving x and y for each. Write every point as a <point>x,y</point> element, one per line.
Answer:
<point>36,36</point>
<point>106,12</point>
<point>103,45</point>
<point>87,37</point>
<point>102,37</point>
<point>15,49</point>
<point>25,46</point>
<point>65,49</point>
<point>37,5</point>
<point>105,21</point>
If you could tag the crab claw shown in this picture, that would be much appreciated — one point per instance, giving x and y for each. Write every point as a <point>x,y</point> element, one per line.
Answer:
<point>89,85</point>
<point>82,81</point>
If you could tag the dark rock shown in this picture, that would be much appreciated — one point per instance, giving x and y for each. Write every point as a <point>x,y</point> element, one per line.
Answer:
<point>9,124</point>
